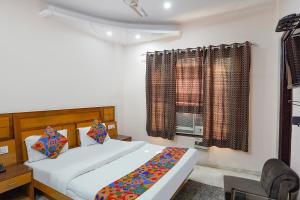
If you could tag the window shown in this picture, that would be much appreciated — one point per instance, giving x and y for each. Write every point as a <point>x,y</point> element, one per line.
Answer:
<point>188,95</point>
<point>188,85</point>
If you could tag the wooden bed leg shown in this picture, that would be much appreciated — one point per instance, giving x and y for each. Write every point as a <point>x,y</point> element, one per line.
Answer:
<point>50,192</point>
<point>30,191</point>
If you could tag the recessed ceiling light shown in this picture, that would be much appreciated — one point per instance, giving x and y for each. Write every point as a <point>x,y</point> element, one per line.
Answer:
<point>167,5</point>
<point>137,36</point>
<point>109,33</point>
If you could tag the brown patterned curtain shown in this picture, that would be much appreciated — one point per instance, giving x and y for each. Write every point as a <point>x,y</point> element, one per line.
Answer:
<point>292,46</point>
<point>189,81</point>
<point>226,96</point>
<point>161,94</point>
<point>212,81</point>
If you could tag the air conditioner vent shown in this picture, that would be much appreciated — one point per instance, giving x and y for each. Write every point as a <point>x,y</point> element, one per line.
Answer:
<point>190,124</point>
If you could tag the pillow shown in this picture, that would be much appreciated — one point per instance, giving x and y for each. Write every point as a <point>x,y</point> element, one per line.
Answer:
<point>86,140</point>
<point>98,132</point>
<point>34,155</point>
<point>50,143</point>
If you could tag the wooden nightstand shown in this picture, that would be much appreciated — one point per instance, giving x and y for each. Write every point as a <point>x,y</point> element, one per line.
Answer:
<point>122,137</point>
<point>16,183</point>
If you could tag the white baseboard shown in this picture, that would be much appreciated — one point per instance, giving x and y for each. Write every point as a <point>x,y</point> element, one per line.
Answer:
<point>244,171</point>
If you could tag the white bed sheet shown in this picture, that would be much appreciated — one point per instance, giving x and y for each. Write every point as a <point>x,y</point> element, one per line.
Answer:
<point>57,173</point>
<point>84,185</point>
<point>163,189</point>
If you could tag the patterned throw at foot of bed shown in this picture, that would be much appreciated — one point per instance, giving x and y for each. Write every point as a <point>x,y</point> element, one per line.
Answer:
<point>139,181</point>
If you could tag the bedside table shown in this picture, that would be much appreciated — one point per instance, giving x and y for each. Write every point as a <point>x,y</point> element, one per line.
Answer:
<point>16,183</point>
<point>122,138</point>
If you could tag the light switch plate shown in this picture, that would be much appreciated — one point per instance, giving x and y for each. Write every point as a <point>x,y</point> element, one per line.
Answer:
<point>4,150</point>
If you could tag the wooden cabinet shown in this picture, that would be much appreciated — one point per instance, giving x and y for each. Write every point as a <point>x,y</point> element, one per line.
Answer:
<point>16,183</point>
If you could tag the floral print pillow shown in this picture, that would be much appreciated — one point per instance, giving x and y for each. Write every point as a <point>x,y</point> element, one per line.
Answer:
<point>98,132</point>
<point>50,143</point>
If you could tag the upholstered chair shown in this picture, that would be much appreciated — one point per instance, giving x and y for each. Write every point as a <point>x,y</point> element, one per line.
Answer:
<point>278,182</point>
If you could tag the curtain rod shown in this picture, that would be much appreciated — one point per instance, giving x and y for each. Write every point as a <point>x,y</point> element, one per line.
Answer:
<point>226,46</point>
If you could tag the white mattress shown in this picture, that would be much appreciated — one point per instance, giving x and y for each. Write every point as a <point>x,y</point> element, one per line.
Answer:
<point>81,179</point>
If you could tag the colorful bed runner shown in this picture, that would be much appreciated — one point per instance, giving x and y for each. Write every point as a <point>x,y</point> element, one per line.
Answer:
<point>139,181</point>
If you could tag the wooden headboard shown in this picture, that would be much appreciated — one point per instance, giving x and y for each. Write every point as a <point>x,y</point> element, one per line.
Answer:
<point>7,139</point>
<point>34,123</point>
<point>6,127</point>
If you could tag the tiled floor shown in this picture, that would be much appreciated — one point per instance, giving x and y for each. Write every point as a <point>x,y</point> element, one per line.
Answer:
<point>214,177</point>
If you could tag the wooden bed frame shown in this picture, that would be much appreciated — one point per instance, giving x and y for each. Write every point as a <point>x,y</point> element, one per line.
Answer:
<point>33,123</point>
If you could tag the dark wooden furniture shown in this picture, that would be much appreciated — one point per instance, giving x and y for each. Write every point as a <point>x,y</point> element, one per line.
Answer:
<point>286,108</point>
<point>122,138</point>
<point>289,25</point>
<point>16,183</point>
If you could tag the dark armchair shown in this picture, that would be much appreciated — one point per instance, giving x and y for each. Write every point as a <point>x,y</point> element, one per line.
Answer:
<point>278,182</point>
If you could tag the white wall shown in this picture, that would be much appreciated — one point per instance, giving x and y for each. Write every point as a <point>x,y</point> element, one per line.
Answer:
<point>47,65</point>
<point>287,7</point>
<point>256,26</point>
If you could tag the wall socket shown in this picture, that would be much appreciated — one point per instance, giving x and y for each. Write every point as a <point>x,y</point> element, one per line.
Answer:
<point>3,150</point>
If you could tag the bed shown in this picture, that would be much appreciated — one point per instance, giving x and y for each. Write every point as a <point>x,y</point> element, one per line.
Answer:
<point>82,171</point>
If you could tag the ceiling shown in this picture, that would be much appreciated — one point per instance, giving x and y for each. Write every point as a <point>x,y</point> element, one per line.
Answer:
<point>180,12</point>
<point>116,22</point>
<point>111,31</point>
